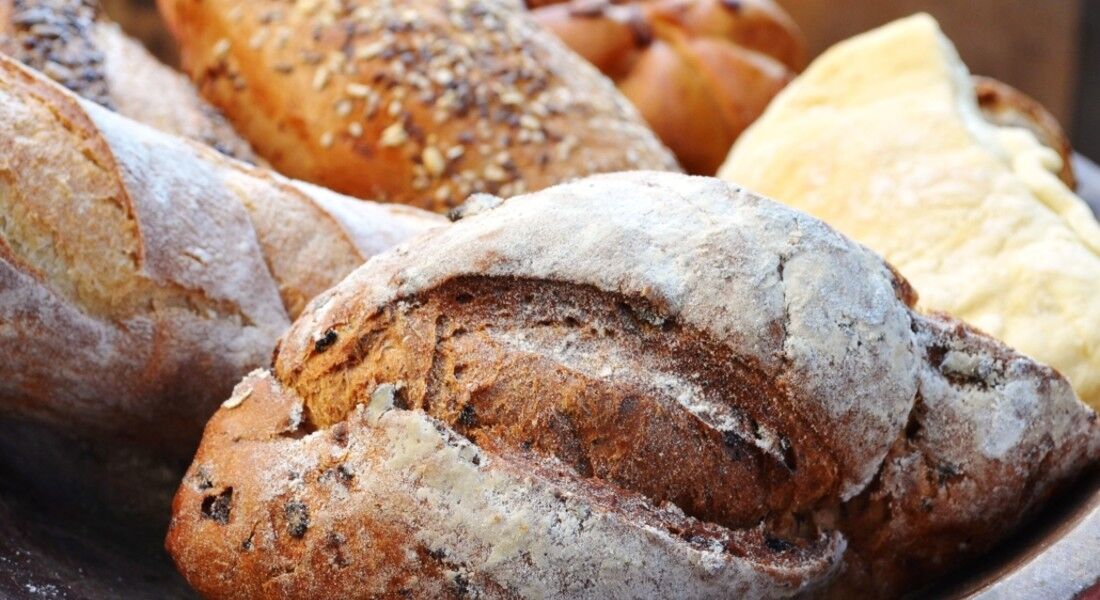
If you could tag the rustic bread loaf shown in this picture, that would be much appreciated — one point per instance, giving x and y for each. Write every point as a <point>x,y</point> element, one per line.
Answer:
<point>71,42</point>
<point>634,385</point>
<point>421,101</point>
<point>142,275</point>
<point>699,71</point>
<point>883,139</point>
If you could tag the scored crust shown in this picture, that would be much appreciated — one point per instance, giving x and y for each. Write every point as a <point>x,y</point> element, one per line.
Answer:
<point>642,339</point>
<point>160,262</point>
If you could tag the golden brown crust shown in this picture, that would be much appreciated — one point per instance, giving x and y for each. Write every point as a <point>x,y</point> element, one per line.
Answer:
<point>1007,106</point>
<point>699,71</point>
<point>161,262</point>
<point>418,102</point>
<point>733,370</point>
<point>71,42</point>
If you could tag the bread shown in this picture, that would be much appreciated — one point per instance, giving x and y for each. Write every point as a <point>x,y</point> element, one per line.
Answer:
<point>637,385</point>
<point>141,275</point>
<point>699,71</point>
<point>75,45</point>
<point>1006,106</point>
<point>882,138</point>
<point>421,102</point>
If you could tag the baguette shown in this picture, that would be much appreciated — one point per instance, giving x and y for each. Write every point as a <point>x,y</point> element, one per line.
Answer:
<point>73,43</point>
<point>420,102</point>
<point>636,385</point>
<point>141,275</point>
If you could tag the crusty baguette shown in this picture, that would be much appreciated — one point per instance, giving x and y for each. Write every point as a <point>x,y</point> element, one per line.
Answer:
<point>699,71</point>
<point>75,45</point>
<point>140,274</point>
<point>636,385</point>
<point>419,101</point>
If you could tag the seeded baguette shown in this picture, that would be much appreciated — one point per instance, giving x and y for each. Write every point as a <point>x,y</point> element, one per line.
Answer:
<point>141,275</point>
<point>421,101</point>
<point>73,43</point>
<point>637,385</point>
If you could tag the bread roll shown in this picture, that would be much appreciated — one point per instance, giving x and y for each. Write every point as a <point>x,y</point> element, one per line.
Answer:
<point>699,71</point>
<point>882,138</point>
<point>142,275</point>
<point>636,385</point>
<point>421,102</point>
<point>71,42</point>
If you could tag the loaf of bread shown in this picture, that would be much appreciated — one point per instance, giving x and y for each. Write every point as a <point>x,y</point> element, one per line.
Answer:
<point>882,138</point>
<point>71,42</point>
<point>699,71</point>
<point>142,275</point>
<point>420,101</point>
<point>636,385</point>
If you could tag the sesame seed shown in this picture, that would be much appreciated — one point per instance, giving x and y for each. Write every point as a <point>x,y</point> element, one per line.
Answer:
<point>455,151</point>
<point>493,172</point>
<point>355,130</point>
<point>369,51</point>
<point>529,122</point>
<point>257,40</point>
<point>326,139</point>
<point>343,108</point>
<point>394,135</point>
<point>221,48</point>
<point>433,161</point>
<point>320,78</point>
<point>358,90</point>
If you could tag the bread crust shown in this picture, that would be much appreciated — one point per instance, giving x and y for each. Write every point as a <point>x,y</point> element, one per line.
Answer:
<point>160,262</point>
<point>73,43</point>
<point>419,102</point>
<point>682,343</point>
<point>1006,106</point>
<point>700,72</point>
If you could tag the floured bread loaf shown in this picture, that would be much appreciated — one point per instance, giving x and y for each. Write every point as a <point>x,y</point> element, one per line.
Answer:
<point>882,138</point>
<point>142,275</point>
<point>634,386</point>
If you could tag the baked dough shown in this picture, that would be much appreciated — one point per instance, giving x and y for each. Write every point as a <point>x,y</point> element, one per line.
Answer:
<point>882,138</point>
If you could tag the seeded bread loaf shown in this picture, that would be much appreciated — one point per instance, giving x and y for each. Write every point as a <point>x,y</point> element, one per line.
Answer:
<point>420,101</point>
<point>636,385</point>
<point>73,43</point>
<point>142,275</point>
<point>699,71</point>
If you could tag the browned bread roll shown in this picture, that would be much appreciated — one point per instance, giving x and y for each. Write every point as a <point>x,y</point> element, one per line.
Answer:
<point>72,43</point>
<point>699,71</point>
<point>636,385</point>
<point>142,275</point>
<point>1007,106</point>
<point>422,101</point>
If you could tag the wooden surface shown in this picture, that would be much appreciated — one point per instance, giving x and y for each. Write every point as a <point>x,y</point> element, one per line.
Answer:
<point>1033,45</point>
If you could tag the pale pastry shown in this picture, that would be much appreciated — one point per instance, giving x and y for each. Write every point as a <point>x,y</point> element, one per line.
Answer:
<point>882,138</point>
